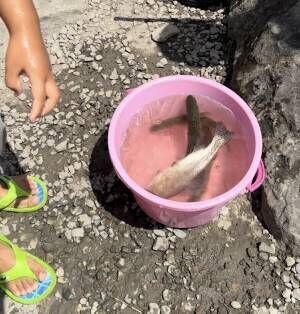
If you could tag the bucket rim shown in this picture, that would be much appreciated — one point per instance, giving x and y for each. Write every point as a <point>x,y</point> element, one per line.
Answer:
<point>204,205</point>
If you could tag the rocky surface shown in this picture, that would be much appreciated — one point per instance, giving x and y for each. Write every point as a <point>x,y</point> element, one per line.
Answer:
<point>53,14</point>
<point>267,75</point>
<point>109,257</point>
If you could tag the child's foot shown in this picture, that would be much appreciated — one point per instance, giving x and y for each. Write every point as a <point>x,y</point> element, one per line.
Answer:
<point>24,285</point>
<point>27,185</point>
<point>7,258</point>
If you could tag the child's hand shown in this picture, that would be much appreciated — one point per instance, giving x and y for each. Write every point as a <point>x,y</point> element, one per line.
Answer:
<point>27,54</point>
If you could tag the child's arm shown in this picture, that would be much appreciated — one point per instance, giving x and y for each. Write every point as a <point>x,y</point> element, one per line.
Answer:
<point>26,53</point>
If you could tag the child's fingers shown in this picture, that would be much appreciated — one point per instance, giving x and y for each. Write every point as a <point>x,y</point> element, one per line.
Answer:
<point>39,96</point>
<point>12,79</point>
<point>53,96</point>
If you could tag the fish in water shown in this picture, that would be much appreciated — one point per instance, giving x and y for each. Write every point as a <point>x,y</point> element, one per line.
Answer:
<point>160,125</point>
<point>199,126</point>
<point>176,178</point>
<point>194,124</point>
<point>200,134</point>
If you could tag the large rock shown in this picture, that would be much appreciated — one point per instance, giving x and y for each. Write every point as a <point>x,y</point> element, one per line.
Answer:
<point>266,74</point>
<point>247,18</point>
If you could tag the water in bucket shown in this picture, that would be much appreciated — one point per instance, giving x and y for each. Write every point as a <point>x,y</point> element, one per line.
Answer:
<point>145,153</point>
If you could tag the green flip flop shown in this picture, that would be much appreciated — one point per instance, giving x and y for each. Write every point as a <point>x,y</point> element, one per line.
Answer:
<point>22,270</point>
<point>15,191</point>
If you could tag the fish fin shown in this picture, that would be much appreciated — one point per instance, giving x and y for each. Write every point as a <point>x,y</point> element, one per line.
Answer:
<point>208,122</point>
<point>199,184</point>
<point>194,188</point>
<point>168,123</point>
<point>204,114</point>
<point>222,132</point>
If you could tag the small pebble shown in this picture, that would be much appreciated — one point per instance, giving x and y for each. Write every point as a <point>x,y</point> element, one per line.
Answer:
<point>161,244</point>
<point>290,261</point>
<point>153,308</point>
<point>297,268</point>
<point>166,295</point>
<point>285,276</point>
<point>165,310</point>
<point>78,233</point>
<point>236,305</point>
<point>273,259</point>
<point>287,293</point>
<point>61,146</point>
<point>263,247</point>
<point>296,294</point>
<point>160,233</point>
<point>179,233</point>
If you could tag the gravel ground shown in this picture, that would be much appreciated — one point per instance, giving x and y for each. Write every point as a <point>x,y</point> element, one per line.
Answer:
<point>110,257</point>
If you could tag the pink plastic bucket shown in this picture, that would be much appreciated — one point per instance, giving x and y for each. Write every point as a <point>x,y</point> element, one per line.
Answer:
<point>184,214</point>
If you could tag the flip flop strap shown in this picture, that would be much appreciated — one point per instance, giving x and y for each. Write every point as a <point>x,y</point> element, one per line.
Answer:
<point>20,269</point>
<point>13,192</point>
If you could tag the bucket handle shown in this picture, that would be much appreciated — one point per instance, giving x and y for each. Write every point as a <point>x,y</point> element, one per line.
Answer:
<point>260,178</point>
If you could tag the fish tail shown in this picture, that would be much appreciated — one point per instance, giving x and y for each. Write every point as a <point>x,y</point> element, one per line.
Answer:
<point>222,133</point>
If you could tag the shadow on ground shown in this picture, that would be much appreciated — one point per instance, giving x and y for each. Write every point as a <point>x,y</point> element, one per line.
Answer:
<point>194,41</point>
<point>108,189</point>
<point>110,192</point>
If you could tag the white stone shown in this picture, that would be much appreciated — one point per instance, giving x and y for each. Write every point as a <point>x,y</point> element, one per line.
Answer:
<point>163,33</point>
<point>261,310</point>
<point>85,220</point>
<point>166,295</point>
<point>33,244</point>
<point>287,293</point>
<point>114,75</point>
<point>61,146</point>
<point>263,247</point>
<point>296,294</point>
<point>160,233</point>
<point>165,310</point>
<point>273,259</point>
<point>290,261</point>
<point>151,2</point>
<point>285,276</point>
<point>153,308</point>
<point>161,244</point>
<point>179,233</point>
<point>236,305</point>
<point>295,282</point>
<point>272,310</point>
<point>78,233</point>
<point>60,272</point>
